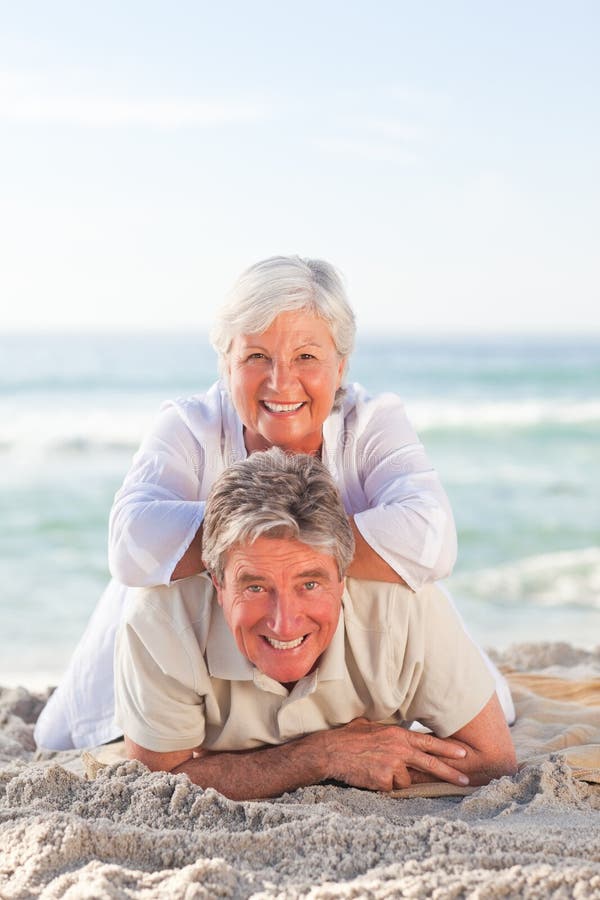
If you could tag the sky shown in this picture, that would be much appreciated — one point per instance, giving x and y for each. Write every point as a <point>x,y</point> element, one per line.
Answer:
<point>443,155</point>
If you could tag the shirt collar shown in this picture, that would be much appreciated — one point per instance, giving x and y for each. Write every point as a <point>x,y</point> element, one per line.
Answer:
<point>223,658</point>
<point>332,427</point>
<point>232,436</point>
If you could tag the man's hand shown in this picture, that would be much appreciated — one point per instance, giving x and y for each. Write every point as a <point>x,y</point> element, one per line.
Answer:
<point>371,755</point>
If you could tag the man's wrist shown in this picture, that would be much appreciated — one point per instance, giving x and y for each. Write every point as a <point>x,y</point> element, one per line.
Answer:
<point>315,747</point>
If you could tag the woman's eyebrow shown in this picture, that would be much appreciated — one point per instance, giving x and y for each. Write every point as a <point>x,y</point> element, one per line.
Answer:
<point>256,345</point>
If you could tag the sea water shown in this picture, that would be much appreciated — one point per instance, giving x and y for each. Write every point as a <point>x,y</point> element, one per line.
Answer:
<point>512,424</point>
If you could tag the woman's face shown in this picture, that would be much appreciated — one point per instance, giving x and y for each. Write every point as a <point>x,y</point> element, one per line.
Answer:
<point>283,382</point>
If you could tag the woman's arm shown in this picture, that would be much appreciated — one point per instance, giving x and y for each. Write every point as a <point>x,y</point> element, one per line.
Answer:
<point>406,521</point>
<point>191,562</point>
<point>368,564</point>
<point>157,513</point>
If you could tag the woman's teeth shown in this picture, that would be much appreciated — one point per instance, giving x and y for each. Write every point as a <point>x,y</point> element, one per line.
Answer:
<point>282,407</point>
<point>284,645</point>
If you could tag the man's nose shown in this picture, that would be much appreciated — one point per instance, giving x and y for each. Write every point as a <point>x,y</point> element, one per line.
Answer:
<point>285,617</point>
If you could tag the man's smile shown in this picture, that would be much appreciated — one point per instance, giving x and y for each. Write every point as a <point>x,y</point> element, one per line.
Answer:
<point>285,645</point>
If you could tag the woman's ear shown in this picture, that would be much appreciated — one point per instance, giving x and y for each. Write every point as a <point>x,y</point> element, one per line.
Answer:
<point>341,371</point>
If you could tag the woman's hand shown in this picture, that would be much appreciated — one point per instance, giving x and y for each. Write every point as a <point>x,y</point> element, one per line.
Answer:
<point>367,563</point>
<point>191,562</point>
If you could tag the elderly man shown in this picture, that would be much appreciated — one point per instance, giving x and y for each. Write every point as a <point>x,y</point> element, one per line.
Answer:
<point>278,673</point>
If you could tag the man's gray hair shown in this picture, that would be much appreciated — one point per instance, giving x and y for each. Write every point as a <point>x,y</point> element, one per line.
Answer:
<point>278,495</point>
<point>284,284</point>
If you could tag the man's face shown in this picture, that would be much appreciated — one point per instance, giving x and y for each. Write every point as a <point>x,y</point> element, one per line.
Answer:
<point>282,601</point>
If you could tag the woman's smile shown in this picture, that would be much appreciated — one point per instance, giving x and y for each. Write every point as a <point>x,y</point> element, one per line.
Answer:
<point>281,408</point>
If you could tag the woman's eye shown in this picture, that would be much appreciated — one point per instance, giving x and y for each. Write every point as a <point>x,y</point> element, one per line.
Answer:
<point>256,356</point>
<point>307,356</point>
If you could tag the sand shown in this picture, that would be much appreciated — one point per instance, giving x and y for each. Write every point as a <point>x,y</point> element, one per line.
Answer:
<point>129,833</point>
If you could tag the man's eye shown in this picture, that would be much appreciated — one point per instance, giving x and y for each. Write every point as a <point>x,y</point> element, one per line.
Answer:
<point>311,585</point>
<point>254,588</point>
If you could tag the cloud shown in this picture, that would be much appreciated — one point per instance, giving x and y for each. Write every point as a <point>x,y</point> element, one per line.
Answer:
<point>395,130</point>
<point>376,135</point>
<point>107,112</point>
<point>371,150</point>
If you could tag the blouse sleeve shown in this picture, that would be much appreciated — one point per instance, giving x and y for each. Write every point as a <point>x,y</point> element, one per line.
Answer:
<point>408,519</point>
<point>158,509</point>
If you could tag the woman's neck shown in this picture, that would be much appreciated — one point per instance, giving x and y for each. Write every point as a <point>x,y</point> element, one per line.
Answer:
<point>256,442</point>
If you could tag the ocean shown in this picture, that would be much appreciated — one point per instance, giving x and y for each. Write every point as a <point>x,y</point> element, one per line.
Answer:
<point>511,423</point>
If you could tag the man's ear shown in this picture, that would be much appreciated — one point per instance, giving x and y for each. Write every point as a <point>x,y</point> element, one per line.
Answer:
<point>218,588</point>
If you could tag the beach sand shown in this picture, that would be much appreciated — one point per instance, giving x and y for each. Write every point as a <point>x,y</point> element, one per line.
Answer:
<point>129,833</point>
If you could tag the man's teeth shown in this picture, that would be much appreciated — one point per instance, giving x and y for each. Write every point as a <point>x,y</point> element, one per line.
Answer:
<point>282,407</point>
<point>285,645</point>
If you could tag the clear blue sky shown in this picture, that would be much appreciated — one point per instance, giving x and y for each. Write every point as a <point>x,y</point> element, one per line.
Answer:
<point>444,155</point>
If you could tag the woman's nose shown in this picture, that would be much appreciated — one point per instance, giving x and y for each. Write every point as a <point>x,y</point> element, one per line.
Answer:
<point>281,376</point>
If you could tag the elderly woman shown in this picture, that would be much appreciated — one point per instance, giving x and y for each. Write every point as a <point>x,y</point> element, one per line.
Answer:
<point>283,341</point>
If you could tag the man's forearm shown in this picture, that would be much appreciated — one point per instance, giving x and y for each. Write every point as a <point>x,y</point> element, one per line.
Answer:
<point>490,751</point>
<point>362,754</point>
<point>261,773</point>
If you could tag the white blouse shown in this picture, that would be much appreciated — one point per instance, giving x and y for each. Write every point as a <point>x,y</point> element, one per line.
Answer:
<point>369,446</point>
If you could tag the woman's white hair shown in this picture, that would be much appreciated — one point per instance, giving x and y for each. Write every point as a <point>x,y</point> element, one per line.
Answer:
<point>284,284</point>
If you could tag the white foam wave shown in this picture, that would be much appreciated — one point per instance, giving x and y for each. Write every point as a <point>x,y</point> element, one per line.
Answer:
<point>516,414</point>
<point>567,578</point>
<point>39,431</point>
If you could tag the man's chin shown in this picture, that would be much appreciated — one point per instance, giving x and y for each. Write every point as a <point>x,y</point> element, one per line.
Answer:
<point>286,676</point>
<point>285,671</point>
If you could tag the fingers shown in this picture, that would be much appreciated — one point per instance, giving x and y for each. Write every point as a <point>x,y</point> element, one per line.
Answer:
<point>376,756</point>
<point>438,746</point>
<point>427,742</point>
<point>433,766</point>
<point>401,779</point>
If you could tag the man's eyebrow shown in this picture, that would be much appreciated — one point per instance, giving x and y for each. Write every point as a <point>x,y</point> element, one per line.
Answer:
<point>308,575</point>
<point>249,578</point>
<point>314,575</point>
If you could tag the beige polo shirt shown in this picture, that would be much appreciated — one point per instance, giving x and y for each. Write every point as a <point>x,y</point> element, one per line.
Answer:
<point>181,682</point>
